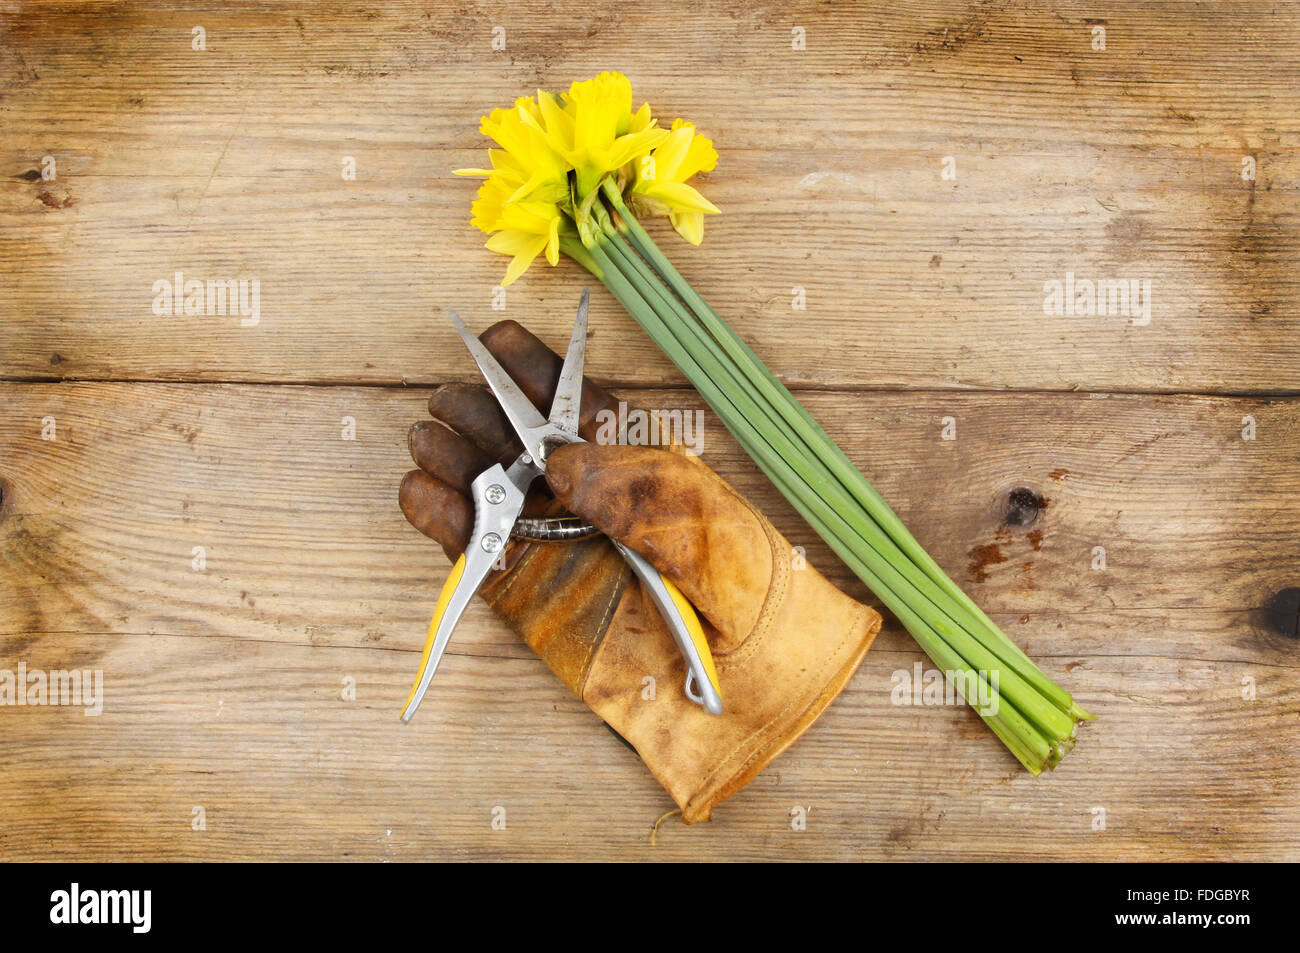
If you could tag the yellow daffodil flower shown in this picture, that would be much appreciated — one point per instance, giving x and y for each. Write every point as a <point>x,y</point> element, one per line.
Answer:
<point>525,157</point>
<point>591,127</point>
<point>659,183</point>
<point>521,229</point>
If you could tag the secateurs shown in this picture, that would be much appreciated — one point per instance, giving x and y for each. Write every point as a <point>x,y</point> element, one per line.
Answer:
<point>498,497</point>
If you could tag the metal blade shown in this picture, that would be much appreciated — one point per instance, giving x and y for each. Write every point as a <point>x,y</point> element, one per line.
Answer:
<point>566,406</point>
<point>523,416</point>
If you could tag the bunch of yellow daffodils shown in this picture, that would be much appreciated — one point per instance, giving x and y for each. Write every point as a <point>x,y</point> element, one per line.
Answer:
<point>558,156</point>
<point>570,171</point>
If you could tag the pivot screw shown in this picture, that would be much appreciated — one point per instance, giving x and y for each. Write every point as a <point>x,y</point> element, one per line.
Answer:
<point>491,542</point>
<point>495,493</point>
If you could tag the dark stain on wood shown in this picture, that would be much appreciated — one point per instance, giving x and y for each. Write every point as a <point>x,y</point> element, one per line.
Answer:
<point>1258,252</point>
<point>981,557</point>
<point>1036,539</point>
<point>1059,474</point>
<point>1282,614</point>
<point>50,199</point>
<point>188,434</point>
<point>951,39</point>
<point>1125,231</point>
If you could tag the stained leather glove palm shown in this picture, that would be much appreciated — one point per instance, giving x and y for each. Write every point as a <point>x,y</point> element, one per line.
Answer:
<point>784,639</point>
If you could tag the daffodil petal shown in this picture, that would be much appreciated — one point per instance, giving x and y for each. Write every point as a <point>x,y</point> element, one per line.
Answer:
<point>679,195</point>
<point>700,157</point>
<point>642,119</point>
<point>553,243</point>
<point>558,124</point>
<point>525,249</point>
<point>509,242</point>
<point>628,147</point>
<point>537,181</point>
<point>689,225</point>
<point>668,157</point>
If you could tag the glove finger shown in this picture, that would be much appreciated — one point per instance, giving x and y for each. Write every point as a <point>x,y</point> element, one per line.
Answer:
<point>682,517</point>
<point>536,369</point>
<point>446,455</point>
<point>437,511</point>
<point>472,411</point>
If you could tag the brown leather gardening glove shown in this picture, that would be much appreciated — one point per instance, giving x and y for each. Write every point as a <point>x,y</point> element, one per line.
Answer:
<point>784,639</point>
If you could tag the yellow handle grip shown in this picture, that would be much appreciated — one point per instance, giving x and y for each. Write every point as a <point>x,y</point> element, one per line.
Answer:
<point>439,611</point>
<point>695,629</point>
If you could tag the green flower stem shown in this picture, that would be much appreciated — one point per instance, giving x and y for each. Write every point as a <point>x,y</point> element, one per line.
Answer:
<point>573,247</point>
<point>819,444</point>
<point>943,615</point>
<point>1029,746</point>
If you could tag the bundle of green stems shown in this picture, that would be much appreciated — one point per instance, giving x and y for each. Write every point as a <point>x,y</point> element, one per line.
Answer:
<point>1034,718</point>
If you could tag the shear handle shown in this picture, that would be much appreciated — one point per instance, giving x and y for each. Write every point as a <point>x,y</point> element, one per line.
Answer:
<point>685,627</point>
<point>497,503</point>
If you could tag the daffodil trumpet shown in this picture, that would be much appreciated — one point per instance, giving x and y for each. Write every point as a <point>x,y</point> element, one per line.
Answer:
<point>573,174</point>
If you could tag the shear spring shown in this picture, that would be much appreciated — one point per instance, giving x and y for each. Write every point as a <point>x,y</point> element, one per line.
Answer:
<point>552,529</point>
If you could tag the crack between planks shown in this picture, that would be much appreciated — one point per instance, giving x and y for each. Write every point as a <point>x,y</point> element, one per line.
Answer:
<point>452,650</point>
<point>645,384</point>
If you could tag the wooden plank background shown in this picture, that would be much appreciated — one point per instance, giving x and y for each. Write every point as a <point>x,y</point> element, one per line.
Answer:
<point>924,300</point>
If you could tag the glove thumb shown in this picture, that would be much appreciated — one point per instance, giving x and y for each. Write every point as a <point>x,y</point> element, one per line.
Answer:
<point>682,517</point>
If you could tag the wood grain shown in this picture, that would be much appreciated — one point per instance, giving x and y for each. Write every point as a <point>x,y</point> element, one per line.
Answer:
<point>924,301</point>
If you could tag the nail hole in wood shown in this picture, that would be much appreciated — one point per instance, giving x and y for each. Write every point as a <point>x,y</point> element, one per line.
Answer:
<point>1023,507</point>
